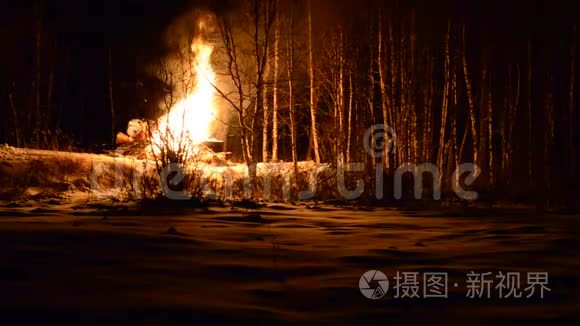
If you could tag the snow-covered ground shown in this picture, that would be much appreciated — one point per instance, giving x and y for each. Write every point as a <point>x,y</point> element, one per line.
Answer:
<point>96,261</point>
<point>278,263</point>
<point>84,177</point>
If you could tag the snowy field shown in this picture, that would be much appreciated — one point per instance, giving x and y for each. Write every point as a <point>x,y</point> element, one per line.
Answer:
<point>72,253</point>
<point>280,263</point>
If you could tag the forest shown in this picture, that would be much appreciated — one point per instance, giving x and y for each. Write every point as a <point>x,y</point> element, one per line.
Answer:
<point>488,83</point>
<point>289,162</point>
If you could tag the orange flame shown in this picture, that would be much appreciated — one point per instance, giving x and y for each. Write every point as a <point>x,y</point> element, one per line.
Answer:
<point>188,121</point>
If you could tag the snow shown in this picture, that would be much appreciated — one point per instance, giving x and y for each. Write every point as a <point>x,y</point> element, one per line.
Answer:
<point>68,254</point>
<point>41,174</point>
<point>280,263</point>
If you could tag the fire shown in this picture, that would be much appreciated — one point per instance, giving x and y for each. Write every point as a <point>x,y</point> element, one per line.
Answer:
<point>188,121</point>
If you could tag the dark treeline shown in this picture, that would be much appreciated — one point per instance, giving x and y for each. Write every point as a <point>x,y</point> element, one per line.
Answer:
<point>488,82</point>
<point>55,70</point>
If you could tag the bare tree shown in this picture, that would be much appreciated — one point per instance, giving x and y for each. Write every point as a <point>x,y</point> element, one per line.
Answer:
<point>239,97</point>
<point>571,104</point>
<point>275,89</point>
<point>471,100</point>
<point>385,98</point>
<point>313,108</point>
<point>38,71</point>
<point>445,103</point>
<point>16,120</point>
<point>428,111</point>
<point>246,50</point>
<point>111,98</point>
<point>507,125</point>
<point>530,127</point>
<point>266,116</point>
<point>490,135</point>
<point>349,117</point>
<point>290,75</point>
<point>264,17</point>
<point>549,133</point>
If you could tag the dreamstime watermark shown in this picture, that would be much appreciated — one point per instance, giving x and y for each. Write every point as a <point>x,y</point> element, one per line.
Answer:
<point>374,285</point>
<point>379,142</point>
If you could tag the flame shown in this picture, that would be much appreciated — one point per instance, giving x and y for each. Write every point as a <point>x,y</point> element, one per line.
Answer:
<point>188,121</point>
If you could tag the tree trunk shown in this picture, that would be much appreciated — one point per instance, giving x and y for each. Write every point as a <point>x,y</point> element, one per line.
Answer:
<point>49,94</point>
<point>471,101</point>
<point>290,68</point>
<point>340,88</point>
<point>111,98</point>
<point>37,67</point>
<point>275,91</point>
<point>483,105</point>
<point>548,135</point>
<point>428,118</point>
<point>349,119</point>
<point>385,100</point>
<point>490,136</point>
<point>266,117</point>
<point>371,106</point>
<point>246,153</point>
<point>15,119</point>
<point>444,105</point>
<point>572,118</point>
<point>530,127</point>
<point>313,108</point>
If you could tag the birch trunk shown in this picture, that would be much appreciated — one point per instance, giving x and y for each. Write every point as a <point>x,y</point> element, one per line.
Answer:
<point>572,118</point>
<point>37,67</point>
<point>385,101</point>
<point>15,119</point>
<point>530,127</point>
<point>490,136</point>
<point>349,119</point>
<point>275,91</point>
<point>290,67</point>
<point>266,116</point>
<point>313,116</point>
<point>471,101</point>
<point>444,105</point>
<point>111,98</point>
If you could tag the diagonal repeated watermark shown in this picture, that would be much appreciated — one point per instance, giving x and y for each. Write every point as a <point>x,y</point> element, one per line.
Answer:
<point>379,142</point>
